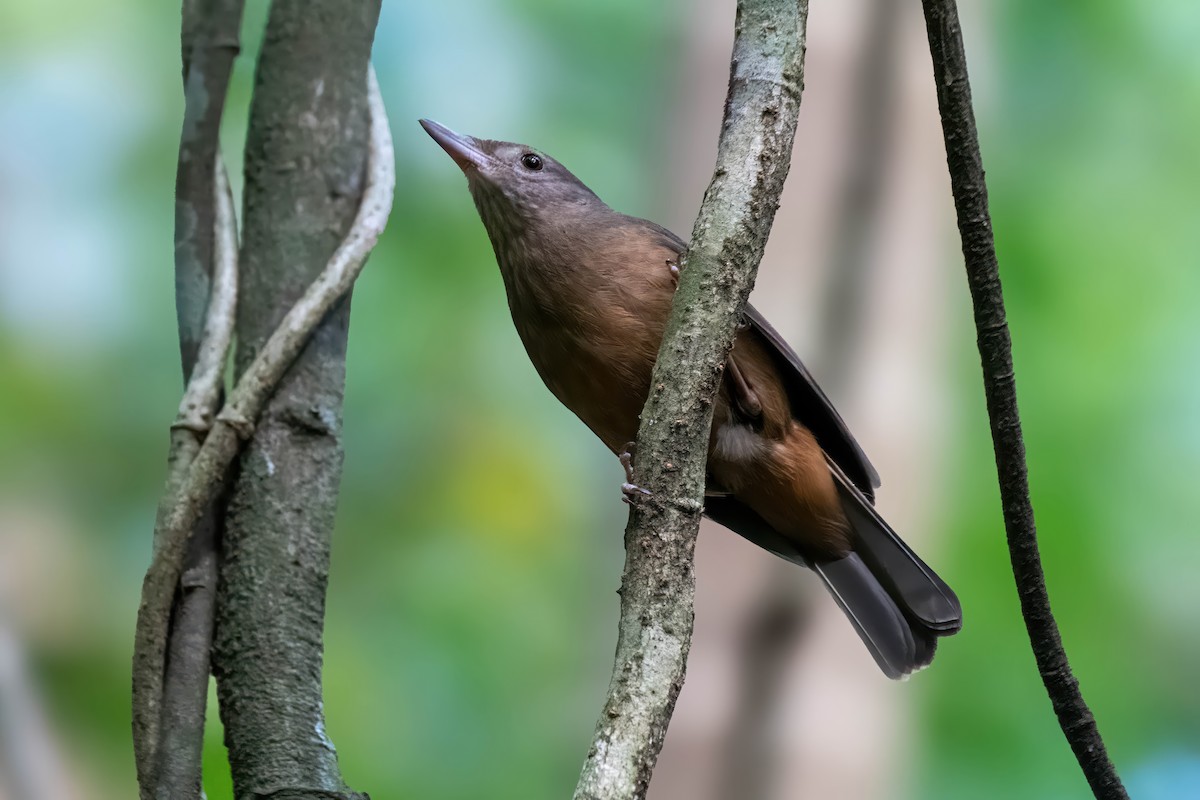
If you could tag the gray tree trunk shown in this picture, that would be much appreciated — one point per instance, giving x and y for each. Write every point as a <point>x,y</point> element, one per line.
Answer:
<point>305,158</point>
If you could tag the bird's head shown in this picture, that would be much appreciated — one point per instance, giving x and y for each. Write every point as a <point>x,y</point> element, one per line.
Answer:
<point>515,186</point>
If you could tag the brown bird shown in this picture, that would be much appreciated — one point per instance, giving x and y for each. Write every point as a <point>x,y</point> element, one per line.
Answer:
<point>590,290</point>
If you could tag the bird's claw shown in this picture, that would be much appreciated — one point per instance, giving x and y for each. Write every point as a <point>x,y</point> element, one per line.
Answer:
<point>630,491</point>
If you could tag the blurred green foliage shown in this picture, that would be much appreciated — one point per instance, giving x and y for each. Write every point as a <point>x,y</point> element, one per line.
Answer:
<point>471,605</point>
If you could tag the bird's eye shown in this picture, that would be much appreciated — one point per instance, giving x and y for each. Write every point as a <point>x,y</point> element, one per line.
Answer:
<point>532,161</point>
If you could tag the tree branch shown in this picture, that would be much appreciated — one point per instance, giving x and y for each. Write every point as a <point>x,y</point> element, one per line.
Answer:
<point>995,349</point>
<point>202,395</point>
<point>658,584</point>
<point>190,490</point>
<point>209,44</point>
<point>306,150</point>
<point>179,744</point>
<point>205,299</point>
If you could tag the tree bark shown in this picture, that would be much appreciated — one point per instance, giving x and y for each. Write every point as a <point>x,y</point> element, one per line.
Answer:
<point>179,745</point>
<point>170,688</point>
<point>305,158</point>
<point>995,350</point>
<point>209,42</point>
<point>658,585</point>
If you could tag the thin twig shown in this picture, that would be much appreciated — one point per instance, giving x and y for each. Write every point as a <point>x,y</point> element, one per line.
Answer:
<point>178,747</point>
<point>209,44</point>
<point>658,585</point>
<point>186,500</point>
<point>200,400</point>
<point>203,391</point>
<point>995,349</point>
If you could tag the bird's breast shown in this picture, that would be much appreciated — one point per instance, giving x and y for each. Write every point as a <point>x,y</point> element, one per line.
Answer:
<point>590,302</point>
<point>600,371</point>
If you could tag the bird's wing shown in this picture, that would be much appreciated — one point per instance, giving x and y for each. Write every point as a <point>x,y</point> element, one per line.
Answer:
<point>809,404</point>
<point>812,408</point>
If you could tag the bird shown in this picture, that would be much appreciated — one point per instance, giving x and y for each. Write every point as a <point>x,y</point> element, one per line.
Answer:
<point>590,290</point>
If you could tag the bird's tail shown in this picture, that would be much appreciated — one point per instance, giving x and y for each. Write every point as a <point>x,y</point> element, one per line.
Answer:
<point>874,615</point>
<point>898,605</point>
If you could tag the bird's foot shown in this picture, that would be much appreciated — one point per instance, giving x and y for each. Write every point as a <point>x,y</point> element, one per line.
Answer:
<point>626,459</point>
<point>630,491</point>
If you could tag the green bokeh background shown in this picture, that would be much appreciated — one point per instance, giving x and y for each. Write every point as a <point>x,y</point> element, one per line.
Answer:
<point>471,608</point>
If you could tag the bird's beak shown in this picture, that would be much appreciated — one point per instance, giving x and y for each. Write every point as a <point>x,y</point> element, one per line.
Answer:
<point>463,149</point>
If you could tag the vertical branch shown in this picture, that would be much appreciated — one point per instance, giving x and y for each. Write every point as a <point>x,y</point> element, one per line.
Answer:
<point>658,584</point>
<point>777,619</point>
<point>306,158</point>
<point>180,745</point>
<point>995,349</point>
<point>191,489</point>
<point>209,44</point>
